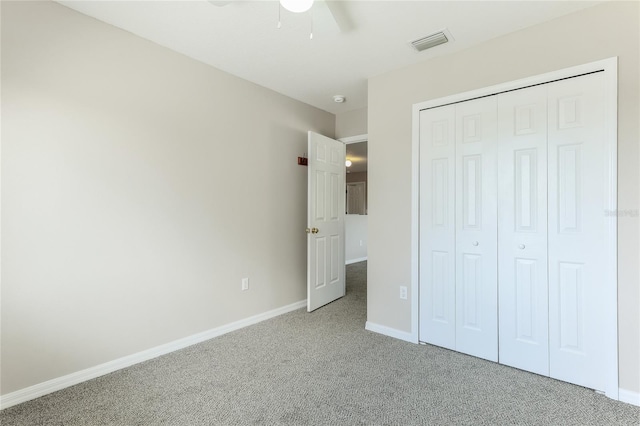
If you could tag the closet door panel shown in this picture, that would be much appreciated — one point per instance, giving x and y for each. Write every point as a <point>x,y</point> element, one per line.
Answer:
<point>522,229</point>
<point>476,216</point>
<point>437,226</point>
<point>577,228</point>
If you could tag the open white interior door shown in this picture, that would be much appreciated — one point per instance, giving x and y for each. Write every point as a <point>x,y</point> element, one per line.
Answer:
<point>325,221</point>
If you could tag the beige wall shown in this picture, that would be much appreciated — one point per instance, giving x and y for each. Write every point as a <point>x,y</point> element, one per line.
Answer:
<point>596,33</point>
<point>351,123</point>
<point>357,177</point>
<point>355,227</point>
<point>125,222</point>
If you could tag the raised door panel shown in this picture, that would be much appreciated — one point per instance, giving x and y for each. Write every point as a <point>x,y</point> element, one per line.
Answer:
<point>320,276</point>
<point>471,295</point>
<point>439,283</point>
<point>568,187</point>
<point>472,192</point>
<point>476,228</point>
<point>320,209</point>
<point>522,229</point>
<point>437,238</point>
<point>527,185</point>
<point>571,334</point>
<point>577,230</point>
<point>526,318</point>
<point>441,194</point>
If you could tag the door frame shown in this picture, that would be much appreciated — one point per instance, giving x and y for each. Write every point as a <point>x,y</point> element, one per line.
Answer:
<point>355,139</point>
<point>610,304</point>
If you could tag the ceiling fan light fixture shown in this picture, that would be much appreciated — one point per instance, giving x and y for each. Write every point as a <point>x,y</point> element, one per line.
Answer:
<point>297,6</point>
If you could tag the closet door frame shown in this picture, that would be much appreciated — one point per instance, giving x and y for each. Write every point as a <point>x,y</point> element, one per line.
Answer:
<point>610,69</point>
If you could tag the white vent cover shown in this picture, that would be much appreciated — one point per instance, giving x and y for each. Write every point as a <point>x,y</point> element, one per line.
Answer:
<point>431,40</point>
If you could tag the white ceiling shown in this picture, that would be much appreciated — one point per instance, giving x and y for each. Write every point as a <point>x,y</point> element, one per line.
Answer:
<point>242,39</point>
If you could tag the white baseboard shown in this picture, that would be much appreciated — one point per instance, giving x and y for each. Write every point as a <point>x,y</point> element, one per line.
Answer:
<point>360,259</point>
<point>388,331</point>
<point>59,383</point>
<point>629,397</point>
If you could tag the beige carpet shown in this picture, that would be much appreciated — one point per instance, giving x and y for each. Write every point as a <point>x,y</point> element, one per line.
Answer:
<point>321,368</point>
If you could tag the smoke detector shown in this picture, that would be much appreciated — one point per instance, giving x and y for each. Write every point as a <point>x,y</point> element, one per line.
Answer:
<point>339,99</point>
<point>432,40</point>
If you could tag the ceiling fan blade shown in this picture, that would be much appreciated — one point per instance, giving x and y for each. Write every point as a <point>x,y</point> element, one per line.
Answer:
<point>340,15</point>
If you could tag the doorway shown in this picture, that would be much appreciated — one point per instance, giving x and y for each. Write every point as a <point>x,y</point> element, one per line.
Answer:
<point>356,200</point>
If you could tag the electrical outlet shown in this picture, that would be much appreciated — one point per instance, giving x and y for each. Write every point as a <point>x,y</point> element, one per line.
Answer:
<point>360,243</point>
<point>245,284</point>
<point>403,292</point>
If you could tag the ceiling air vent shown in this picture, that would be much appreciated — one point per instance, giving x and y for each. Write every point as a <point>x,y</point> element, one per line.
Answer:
<point>430,41</point>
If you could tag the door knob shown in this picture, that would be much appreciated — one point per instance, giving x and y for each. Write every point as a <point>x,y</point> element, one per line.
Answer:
<point>314,230</point>
<point>521,246</point>
<point>475,243</point>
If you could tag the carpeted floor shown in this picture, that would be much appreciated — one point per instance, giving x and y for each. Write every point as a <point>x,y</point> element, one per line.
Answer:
<point>321,368</point>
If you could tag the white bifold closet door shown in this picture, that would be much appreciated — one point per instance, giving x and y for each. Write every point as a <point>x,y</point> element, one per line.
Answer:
<point>577,230</point>
<point>476,232</point>
<point>512,225</point>
<point>458,296</point>
<point>551,221</point>
<point>437,226</point>
<point>522,229</point>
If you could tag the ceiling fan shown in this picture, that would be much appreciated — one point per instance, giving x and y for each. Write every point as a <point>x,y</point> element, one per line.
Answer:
<point>336,8</point>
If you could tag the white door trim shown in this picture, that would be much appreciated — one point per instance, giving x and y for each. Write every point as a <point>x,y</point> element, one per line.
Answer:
<point>610,305</point>
<point>355,139</point>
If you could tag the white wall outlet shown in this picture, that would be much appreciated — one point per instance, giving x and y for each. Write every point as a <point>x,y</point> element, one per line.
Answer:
<point>403,292</point>
<point>245,284</point>
<point>360,243</point>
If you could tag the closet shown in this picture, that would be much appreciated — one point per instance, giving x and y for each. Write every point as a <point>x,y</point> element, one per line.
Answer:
<point>512,228</point>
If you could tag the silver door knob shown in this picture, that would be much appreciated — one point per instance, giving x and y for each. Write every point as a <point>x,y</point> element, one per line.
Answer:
<point>521,246</point>
<point>475,243</point>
